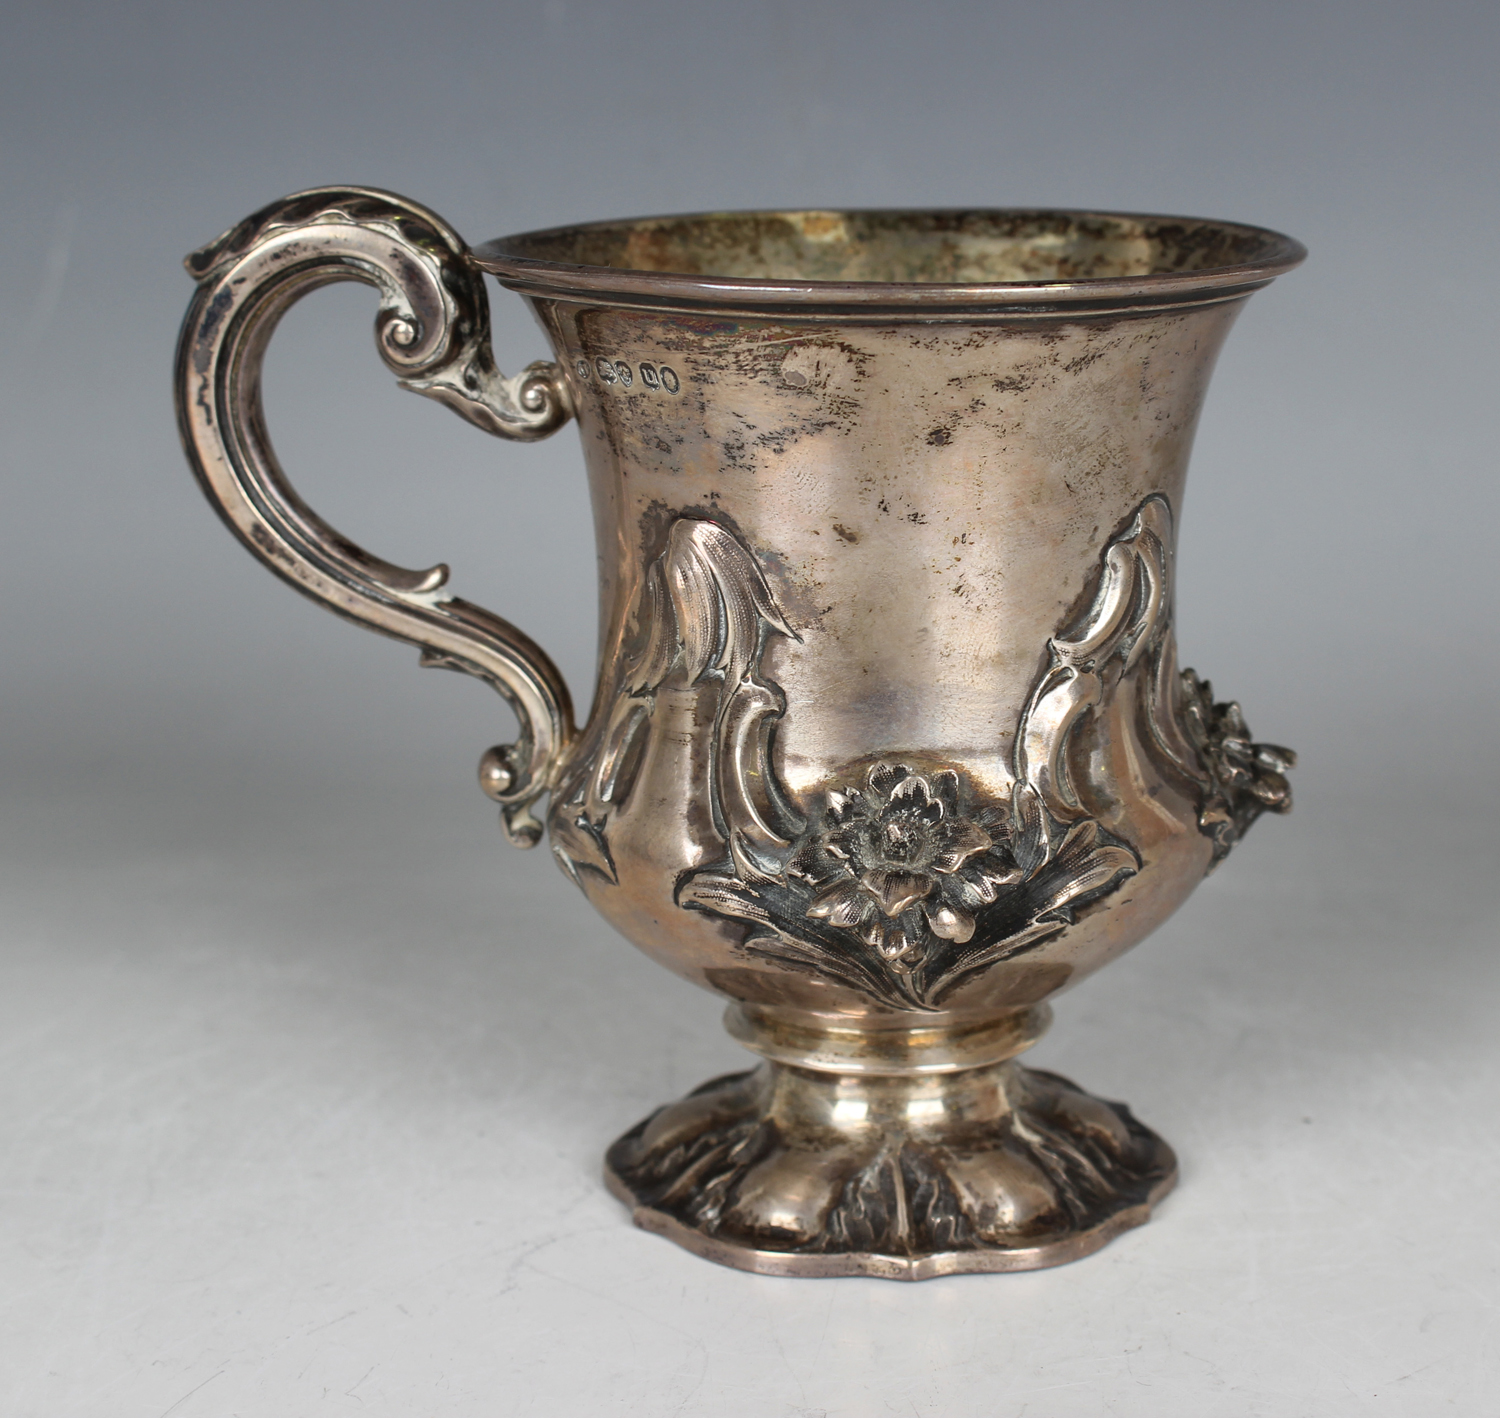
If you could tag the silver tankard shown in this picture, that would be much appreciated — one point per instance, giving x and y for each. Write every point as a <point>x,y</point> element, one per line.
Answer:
<point>890,743</point>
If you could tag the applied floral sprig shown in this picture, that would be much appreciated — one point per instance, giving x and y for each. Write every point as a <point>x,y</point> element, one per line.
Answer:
<point>1247,778</point>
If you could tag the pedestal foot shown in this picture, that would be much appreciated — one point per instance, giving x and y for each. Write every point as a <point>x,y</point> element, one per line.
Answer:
<point>790,1171</point>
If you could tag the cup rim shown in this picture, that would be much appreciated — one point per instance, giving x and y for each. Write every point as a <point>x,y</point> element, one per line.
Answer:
<point>1274,253</point>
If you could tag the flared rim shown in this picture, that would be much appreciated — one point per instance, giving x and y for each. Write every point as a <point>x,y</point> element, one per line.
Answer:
<point>1072,261</point>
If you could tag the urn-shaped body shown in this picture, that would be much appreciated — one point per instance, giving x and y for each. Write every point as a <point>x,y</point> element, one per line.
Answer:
<point>888,718</point>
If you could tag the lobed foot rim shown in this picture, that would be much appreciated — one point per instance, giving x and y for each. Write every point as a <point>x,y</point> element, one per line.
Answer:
<point>1125,1182</point>
<point>1060,1250</point>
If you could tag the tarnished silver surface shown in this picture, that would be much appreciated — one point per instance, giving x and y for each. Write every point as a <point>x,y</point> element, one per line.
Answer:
<point>890,743</point>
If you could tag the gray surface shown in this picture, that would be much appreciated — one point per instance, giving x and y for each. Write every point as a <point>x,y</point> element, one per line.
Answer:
<point>306,1078</point>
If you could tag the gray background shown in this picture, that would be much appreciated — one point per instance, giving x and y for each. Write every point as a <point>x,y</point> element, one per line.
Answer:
<point>306,1076</point>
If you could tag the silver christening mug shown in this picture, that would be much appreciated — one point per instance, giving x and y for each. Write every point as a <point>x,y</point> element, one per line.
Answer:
<point>890,743</point>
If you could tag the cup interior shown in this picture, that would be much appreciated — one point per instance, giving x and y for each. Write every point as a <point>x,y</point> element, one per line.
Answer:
<point>979,247</point>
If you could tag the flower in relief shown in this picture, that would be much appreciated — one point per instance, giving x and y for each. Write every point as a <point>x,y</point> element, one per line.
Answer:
<point>897,862</point>
<point>1248,778</point>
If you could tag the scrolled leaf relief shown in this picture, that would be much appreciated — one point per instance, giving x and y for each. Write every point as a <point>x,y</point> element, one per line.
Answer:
<point>905,879</point>
<point>911,881</point>
<point>704,614</point>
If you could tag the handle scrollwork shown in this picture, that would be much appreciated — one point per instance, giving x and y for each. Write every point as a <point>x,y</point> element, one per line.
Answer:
<point>432,330</point>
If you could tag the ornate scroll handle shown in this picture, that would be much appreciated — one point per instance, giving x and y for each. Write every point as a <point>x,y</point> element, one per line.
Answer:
<point>432,330</point>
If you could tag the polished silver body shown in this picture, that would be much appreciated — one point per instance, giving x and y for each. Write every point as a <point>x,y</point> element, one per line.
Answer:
<point>890,743</point>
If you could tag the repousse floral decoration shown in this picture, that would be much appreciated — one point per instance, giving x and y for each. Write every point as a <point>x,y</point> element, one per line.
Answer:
<point>897,859</point>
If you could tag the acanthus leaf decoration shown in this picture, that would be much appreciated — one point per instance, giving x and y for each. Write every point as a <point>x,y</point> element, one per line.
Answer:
<point>704,612</point>
<point>911,882</point>
<point>908,881</point>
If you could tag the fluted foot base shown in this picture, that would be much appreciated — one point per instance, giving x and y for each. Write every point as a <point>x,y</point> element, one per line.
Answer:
<point>787,1171</point>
